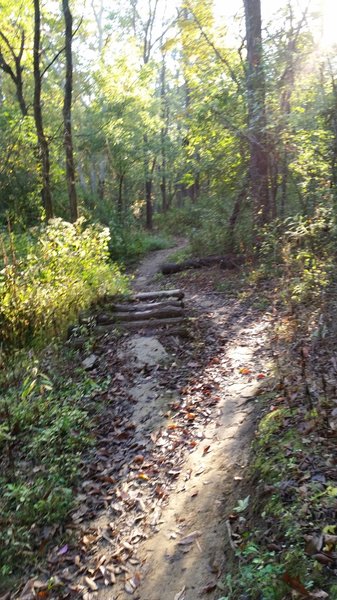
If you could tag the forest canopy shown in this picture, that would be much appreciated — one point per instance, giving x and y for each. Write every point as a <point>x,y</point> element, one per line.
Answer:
<point>124,113</point>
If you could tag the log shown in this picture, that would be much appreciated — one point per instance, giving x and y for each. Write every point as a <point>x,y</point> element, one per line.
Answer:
<point>225,262</point>
<point>139,307</point>
<point>107,298</point>
<point>152,323</point>
<point>159,294</point>
<point>159,313</point>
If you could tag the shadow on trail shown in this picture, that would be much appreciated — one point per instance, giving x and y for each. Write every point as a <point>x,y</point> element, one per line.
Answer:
<point>202,502</point>
<point>174,475</point>
<point>152,510</point>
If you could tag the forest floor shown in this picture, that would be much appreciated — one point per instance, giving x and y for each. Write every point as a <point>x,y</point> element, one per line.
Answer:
<point>172,446</point>
<point>174,502</point>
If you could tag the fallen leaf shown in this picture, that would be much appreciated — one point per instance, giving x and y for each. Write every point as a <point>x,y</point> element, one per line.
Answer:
<point>210,587</point>
<point>136,580</point>
<point>313,544</point>
<point>295,584</point>
<point>242,505</point>
<point>189,539</point>
<point>323,559</point>
<point>245,371</point>
<point>180,595</point>
<point>129,588</point>
<point>91,584</point>
<point>191,416</point>
<point>320,595</point>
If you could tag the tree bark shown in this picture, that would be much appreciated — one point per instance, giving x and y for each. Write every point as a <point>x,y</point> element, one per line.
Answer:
<point>68,90</point>
<point>258,164</point>
<point>42,140</point>
<point>15,75</point>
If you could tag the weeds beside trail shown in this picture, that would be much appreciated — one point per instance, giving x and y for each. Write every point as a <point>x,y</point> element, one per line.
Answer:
<point>288,545</point>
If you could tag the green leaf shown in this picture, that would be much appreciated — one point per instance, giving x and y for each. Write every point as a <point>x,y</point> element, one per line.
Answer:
<point>242,505</point>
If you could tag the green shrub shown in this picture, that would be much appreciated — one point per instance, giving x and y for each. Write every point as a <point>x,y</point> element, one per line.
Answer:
<point>61,273</point>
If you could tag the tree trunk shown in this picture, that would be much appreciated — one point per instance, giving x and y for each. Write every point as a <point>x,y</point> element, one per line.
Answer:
<point>258,165</point>
<point>120,193</point>
<point>42,140</point>
<point>68,90</point>
<point>15,75</point>
<point>237,207</point>
<point>148,199</point>
<point>148,190</point>
<point>163,135</point>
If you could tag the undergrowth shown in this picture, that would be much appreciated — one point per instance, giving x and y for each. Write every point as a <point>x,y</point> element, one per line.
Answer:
<point>46,411</point>
<point>129,242</point>
<point>205,224</point>
<point>62,271</point>
<point>287,543</point>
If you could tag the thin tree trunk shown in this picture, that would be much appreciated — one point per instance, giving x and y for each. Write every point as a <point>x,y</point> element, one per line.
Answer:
<point>120,193</point>
<point>42,140</point>
<point>240,198</point>
<point>164,129</point>
<point>148,188</point>
<point>68,90</point>
<point>149,207</point>
<point>258,166</point>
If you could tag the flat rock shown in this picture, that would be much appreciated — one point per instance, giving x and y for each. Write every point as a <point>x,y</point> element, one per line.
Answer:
<point>142,350</point>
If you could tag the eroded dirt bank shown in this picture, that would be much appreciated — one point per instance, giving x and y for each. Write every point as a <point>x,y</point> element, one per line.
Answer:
<point>174,432</point>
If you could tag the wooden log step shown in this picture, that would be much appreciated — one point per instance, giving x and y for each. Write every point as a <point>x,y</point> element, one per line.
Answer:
<point>159,294</point>
<point>141,307</point>
<point>138,325</point>
<point>159,313</point>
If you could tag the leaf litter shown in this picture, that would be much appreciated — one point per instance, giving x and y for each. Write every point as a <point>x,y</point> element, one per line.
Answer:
<point>129,476</point>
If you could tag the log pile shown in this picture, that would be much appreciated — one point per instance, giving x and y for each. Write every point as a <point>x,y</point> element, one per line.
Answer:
<point>147,310</point>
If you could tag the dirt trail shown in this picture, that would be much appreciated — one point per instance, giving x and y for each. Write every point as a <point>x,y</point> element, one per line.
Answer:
<point>172,444</point>
<point>149,266</point>
<point>184,555</point>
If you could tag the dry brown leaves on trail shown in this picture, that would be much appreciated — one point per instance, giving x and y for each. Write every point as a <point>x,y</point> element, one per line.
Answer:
<point>129,478</point>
